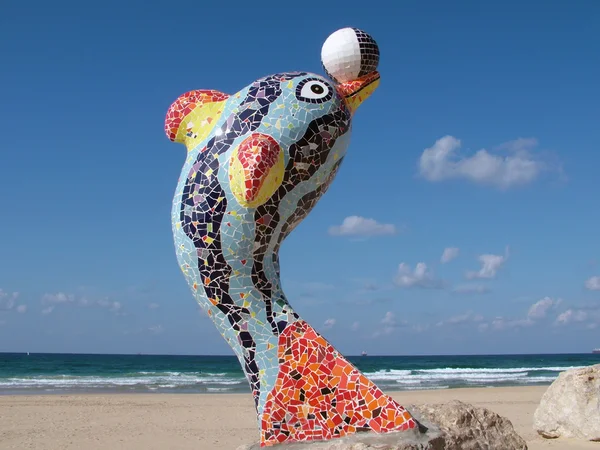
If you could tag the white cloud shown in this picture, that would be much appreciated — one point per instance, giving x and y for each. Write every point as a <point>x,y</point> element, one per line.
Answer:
<point>58,298</point>
<point>540,308</point>
<point>500,323</point>
<point>329,323</point>
<point>468,317</point>
<point>47,310</point>
<point>389,319</point>
<point>61,298</point>
<point>355,326</point>
<point>471,289</point>
<point>112,306</point>
<point>7,304</point>
<point>370,286</point>
<point>593,283</point>
<point>490,264</point>
<point>361,226</point>
<point>84,301</point>
<point>420,328</point>
<point>153,305</point>
<point>588,315</point>
<point>8,300</point>
<point>449,254</point>
<point>156,329</point>
<point>572,315</point>
<point>421,276</point>
<point>390,324</point>
<point>518,166</point>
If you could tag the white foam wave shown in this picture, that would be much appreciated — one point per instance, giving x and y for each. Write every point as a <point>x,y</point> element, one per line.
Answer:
<point>432,378</point>
<point>388,374</point>
<point>464,377</point>
<point>438,378</point>
<point>164,380</point>
<point>458,372</point>
<point>422,388</point>
<point>536,380</point>
<point>497,370</point>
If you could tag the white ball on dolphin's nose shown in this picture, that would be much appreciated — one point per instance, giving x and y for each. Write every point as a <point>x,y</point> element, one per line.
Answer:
<point>348,54</point>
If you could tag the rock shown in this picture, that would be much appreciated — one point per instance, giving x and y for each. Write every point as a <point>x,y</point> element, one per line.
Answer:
<point>467,427</point>
<point>450,426</point>
<point>570,407</point>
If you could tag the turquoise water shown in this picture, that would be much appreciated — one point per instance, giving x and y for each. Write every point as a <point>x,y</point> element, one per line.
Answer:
<point>58,373</point>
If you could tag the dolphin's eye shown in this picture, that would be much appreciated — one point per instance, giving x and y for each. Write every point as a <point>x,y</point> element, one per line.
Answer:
<point>317,88</point>
<point>313,90</point>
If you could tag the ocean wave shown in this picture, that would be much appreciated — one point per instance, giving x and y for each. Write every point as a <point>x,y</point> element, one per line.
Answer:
<point>169,373</point>
<point>498,370</point>
<point>216,381</point>
<point>457,372</point>
<point>423,388</point>
<point>474,376</point>
<point>469,376</point>
<point>218,389</point>
<point>388,374</point>
<point>497,379</point>
<point>150,380</point>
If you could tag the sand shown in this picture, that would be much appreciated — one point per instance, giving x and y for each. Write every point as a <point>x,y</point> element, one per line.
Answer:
<point>205,421</point>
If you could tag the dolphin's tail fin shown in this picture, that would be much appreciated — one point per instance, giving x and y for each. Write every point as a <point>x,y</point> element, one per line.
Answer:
<point>319,395</point>
<point>192,116</point>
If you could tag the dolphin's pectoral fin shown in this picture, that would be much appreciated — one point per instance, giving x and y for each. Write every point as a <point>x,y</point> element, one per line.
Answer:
<point>319,395</point>
<point>193,115</point>
<point>256,169</point>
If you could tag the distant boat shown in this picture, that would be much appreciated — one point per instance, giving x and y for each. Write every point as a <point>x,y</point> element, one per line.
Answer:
<point>27,353</point>
<point>596,350</point>
<point>363,353</point>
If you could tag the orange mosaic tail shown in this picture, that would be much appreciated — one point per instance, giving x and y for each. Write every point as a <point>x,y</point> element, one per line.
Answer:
<point>319,395</point>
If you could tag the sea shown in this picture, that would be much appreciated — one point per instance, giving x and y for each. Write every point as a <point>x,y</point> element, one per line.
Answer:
<point>46,373</point>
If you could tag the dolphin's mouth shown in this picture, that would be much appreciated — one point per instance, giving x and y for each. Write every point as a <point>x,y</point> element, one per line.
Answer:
<point>357,91</point>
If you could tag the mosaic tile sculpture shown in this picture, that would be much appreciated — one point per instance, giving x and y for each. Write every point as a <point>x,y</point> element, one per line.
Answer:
<point>257,163</point>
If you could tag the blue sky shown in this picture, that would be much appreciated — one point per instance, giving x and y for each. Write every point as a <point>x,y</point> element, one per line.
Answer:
<point>482,137</point>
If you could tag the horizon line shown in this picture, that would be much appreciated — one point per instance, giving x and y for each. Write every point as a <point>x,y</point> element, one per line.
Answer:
<point>345,355</point>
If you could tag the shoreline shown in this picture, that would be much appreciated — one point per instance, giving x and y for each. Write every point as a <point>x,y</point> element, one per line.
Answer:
<point>224,391</point>
<point>215,421</point>
<point>393,393</point>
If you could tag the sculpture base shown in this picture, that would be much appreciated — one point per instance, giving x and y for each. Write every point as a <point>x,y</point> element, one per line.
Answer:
<point>450,426</point>
<point>395,440</point>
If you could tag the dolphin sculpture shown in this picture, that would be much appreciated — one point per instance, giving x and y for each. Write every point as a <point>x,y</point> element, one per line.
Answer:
<point>257,163</point>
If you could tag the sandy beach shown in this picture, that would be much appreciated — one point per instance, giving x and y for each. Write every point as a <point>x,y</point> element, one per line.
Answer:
<point>205,421</point>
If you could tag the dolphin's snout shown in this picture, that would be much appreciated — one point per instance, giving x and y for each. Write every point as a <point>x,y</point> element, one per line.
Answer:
<point>357,91</point>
